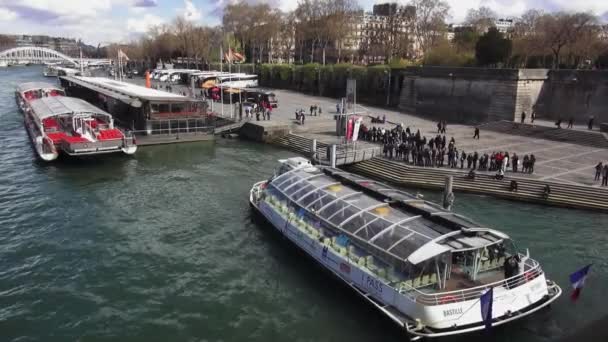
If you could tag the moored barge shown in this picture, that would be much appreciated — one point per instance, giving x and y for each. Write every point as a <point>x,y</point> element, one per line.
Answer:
<point>422,266</point>
<point>72,127</point>
<point>155,116</point>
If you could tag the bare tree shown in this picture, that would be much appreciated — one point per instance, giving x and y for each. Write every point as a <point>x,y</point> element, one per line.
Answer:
<point>563,29</point>
<point>481,19</point>
<point>526,38</point>
<point>430,22</point>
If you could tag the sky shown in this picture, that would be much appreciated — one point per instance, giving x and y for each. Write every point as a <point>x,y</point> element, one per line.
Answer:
<point>107,21</point>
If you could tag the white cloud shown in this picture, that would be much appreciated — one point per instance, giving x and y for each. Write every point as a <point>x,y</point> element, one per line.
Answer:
<point>7,15</point>
<point>141,25</point>
<point>190,12</point>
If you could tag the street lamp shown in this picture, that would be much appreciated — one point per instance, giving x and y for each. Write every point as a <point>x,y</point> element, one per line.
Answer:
<point>318,79</point>
<point>388,89</point>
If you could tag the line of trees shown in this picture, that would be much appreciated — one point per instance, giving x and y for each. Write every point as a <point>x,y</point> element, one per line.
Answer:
<point>536,40</point>
<point>324,31</point>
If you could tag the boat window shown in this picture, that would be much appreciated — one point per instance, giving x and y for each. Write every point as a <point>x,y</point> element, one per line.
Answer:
<point>322,202</point>
<point>178,107</point>
<point>373,228</point>
<point>305,201</point>
<point>159,108</point>
<point>388,238</point>
<point>407,246</point>
<point>359,221</point>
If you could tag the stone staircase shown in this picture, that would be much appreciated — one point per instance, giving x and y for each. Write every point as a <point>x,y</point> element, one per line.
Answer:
<point>593,139</point>
<point>531,190</point>
<point>301,145</point>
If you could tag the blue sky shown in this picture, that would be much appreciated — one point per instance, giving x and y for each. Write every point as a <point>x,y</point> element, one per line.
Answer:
<point>105,21</point>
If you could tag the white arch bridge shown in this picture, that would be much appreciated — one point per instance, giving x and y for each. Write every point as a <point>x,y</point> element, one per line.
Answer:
<point>40,55</point>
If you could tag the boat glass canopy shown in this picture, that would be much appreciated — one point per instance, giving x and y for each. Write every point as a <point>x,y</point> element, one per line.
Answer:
<point>388,229</point>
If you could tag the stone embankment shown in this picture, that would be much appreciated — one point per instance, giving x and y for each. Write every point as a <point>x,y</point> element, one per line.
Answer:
<point>565,195</point>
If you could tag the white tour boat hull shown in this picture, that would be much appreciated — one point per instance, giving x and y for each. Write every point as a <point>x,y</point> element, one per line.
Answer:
<point>417,319</point>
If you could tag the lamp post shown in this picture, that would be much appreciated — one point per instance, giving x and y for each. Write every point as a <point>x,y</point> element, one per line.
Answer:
<point>318,79</point>
<point>388,89</point>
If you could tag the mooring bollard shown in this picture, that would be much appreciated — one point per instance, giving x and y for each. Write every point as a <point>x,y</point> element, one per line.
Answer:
<point>448,195</point>
<point>333,156</point>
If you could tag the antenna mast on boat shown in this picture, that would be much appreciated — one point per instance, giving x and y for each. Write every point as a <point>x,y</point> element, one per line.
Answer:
<point>81,65</point>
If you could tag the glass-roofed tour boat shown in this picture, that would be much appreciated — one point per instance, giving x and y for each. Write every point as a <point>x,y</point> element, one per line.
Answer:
<point>422,266</point>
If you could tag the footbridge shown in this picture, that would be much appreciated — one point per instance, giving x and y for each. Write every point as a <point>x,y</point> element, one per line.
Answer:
<point>41,55</point>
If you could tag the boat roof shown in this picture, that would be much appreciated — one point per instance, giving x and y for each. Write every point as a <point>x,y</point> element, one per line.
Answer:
<point>36,85</point>
<point>46,107</point>
<point>396,224</point>
<point>123,90</point>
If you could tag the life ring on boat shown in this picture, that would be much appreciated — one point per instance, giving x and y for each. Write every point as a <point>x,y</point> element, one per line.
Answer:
<point>447,299</point>
<point>529,276</point>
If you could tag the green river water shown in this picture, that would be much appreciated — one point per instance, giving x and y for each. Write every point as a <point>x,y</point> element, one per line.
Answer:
<point>161,247</point>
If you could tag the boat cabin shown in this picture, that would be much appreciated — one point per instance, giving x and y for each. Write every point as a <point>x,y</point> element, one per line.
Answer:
<point>36,90</point>
<point>140,109</point>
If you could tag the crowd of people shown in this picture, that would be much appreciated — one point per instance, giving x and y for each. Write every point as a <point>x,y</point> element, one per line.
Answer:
<point>411,147</point>
<point>263,109</point>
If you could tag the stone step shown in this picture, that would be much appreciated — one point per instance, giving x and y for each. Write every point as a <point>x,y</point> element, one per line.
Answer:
<point>532,190</point>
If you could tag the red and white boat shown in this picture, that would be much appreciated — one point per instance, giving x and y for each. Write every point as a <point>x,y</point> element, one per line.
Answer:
<point>29,91</point>
<point>73,127</point>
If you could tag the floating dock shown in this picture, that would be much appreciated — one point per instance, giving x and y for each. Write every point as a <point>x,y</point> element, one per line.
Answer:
<point>153,116</point>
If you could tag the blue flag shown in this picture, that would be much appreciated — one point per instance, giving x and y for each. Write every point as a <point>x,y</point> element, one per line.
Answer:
<point>486,301</point>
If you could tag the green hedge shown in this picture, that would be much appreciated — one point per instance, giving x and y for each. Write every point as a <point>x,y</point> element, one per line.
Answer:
<point>330,80</point>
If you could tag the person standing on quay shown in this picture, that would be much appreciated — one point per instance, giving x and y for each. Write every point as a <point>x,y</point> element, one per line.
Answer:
<point>515,162</point>
<point>590,124</point>
<point>598,171</point>
<point>605,177</point>
<point>523,117</point>
<point>571,122</point>
<point>476,133</point>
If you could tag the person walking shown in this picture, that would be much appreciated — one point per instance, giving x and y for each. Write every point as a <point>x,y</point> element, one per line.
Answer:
<point>533,116</point>
<point>598,171</point>
<point>523,117</point>
<point>590,123</point>
<point>571,122</point>
<point>476,133</point>
<point>605,177</point>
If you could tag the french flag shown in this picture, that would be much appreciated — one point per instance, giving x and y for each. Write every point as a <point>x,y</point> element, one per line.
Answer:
<point>578,281</point>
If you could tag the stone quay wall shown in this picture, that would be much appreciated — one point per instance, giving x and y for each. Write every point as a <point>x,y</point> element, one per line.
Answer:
<point>478,95</point>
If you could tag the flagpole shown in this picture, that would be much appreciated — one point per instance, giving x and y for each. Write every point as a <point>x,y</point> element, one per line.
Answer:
<point>221,71</point>
<point>230,77</point>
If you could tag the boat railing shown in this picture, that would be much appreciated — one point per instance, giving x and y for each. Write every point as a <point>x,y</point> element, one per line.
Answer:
<point>532,271</point>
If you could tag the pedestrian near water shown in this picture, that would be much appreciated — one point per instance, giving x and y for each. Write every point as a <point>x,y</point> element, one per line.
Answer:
<point>476,133</point>
<point>571,123</point>
<point>523,117</point>
<point>598,171</point>
<point>559,123</point>
<point>475,158</point>
<point>463,157</point>
<point>533,116</point>
<point>590,123</point>
<point>605,176</point>
<point>515,162</point>
<point>532,161</point>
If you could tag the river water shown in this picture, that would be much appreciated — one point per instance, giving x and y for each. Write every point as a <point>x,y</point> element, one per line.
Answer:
<point>161,247</point>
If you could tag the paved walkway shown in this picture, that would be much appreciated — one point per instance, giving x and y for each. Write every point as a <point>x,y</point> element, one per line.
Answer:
<point>563,162</point>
